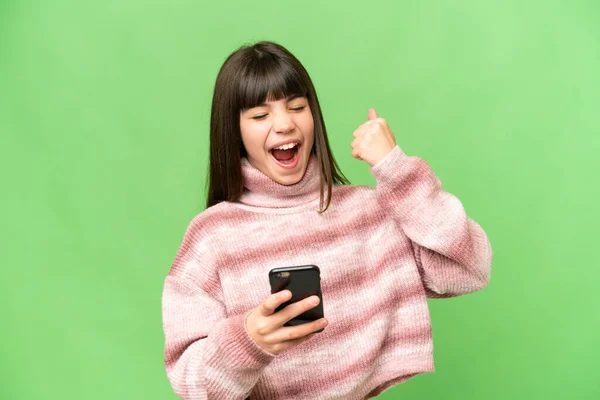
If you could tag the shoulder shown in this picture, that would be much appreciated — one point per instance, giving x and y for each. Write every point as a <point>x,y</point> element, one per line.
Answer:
<point>361,199</point>
<point>351,193</point>
<point>199,248</point>
<point>208,223</point>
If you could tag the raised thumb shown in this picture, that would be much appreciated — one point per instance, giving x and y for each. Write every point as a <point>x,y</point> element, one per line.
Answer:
<point>372,114</point>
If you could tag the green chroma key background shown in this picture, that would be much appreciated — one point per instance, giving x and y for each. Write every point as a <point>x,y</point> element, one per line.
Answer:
<point>104,117</point>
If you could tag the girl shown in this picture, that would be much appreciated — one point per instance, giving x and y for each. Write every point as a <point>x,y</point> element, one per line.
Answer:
<point>278,198</point>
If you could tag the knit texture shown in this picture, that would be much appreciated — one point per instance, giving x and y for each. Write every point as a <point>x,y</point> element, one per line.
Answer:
<point>381,252</point>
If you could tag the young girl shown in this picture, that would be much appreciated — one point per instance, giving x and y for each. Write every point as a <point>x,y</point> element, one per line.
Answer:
<point>278,198</point>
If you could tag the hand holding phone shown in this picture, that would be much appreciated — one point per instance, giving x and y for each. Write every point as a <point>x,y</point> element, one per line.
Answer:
<point>266,327</point>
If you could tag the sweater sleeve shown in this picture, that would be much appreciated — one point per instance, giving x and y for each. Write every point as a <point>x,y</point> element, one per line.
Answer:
<point>208,355</point>
<point>453,253</point>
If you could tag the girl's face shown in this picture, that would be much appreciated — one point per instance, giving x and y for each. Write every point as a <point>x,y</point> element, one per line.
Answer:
<point>271,124</point>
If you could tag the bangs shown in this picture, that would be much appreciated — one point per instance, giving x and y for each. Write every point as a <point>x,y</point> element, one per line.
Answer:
<point>266,80</point>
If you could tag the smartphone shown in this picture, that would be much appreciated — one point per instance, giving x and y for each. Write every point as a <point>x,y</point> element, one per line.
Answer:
<point>303,281</point>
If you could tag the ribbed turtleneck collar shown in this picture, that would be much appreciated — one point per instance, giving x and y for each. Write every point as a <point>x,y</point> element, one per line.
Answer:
<point>262,191</point>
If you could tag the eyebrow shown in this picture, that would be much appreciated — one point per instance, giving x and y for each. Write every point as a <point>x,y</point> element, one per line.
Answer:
<point>290,98</point>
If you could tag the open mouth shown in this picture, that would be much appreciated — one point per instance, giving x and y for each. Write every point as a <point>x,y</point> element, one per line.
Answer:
<point>286,158</point>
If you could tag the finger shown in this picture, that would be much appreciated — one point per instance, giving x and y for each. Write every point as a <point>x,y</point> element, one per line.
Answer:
<point>283,346</point>
<point>268,306</point>
<point>292,333</point>
<point>362,128</point>
<point>372,114</point>
<point>295,309</point>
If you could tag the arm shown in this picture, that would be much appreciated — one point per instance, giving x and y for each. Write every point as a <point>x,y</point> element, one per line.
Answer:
<point>452,251</point>
<point>207,354</point>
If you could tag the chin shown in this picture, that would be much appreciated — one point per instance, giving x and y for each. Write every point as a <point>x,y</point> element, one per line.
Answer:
<point>291,178</point>
<point>288,180</point>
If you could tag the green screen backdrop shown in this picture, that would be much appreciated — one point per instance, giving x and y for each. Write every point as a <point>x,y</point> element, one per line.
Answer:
<point>104,118</point>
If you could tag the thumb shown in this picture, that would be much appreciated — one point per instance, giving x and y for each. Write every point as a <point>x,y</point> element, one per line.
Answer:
<point>372,114</point>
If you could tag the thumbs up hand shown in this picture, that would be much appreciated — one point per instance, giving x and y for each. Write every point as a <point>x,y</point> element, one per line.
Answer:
<point>373,140</point>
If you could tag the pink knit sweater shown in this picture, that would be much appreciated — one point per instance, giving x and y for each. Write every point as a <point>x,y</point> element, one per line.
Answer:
<point>380,250</point>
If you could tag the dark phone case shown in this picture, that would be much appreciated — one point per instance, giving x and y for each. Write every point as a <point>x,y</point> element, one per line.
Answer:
<point>303,281</point>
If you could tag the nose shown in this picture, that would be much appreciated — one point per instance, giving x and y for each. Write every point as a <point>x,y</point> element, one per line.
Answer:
<point>282,122</point>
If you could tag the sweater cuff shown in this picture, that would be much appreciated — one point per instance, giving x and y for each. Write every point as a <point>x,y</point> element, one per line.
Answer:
<point>390,159</point>
<point>237,345</point>
<point>401,182</point>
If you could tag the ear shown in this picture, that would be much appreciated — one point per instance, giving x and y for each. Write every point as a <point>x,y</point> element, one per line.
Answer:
<point>372,114</point>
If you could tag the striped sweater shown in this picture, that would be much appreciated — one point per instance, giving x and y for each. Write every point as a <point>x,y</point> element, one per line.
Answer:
<point>381,251</point>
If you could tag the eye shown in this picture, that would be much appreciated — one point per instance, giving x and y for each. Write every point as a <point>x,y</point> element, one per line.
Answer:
<point>259,117</point>
<point>299,108</point>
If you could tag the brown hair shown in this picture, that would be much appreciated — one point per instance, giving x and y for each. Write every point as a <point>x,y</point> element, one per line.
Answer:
<point>247,77</point>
